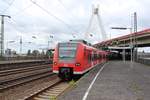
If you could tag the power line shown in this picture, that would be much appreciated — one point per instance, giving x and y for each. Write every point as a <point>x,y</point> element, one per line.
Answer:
<point>60,1</point>
<point>10,4</point>
<point>21,11</point>
<point>62,4</point>
<point>14,26</point>
<point>49,13</point>
<point>57,18</point>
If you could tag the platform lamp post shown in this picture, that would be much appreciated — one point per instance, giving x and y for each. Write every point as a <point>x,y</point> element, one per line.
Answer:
<point>21,43</point>
<point>131,43</point>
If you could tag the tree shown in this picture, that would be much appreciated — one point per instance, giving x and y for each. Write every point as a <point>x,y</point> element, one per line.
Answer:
<point>49,53</point>
<point>43,53</point>
<point>35,52</point>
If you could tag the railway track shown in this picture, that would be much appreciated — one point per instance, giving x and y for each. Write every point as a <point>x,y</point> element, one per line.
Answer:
<point>51,92</point>
<point>16,77</point>
<point>14,83</point>
<point>9,66</point>
<point>31,76</point>
<point>21,70</point>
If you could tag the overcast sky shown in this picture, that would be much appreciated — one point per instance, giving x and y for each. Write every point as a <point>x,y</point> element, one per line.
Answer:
<point>64,19</point>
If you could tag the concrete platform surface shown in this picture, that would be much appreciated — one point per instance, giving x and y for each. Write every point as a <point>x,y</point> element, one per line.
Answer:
<point>117,81</point>
<point>19,61</point>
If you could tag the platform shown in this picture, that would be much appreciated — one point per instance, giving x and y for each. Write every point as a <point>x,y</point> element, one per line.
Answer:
<point>116,81</point>
<point>19,61</point>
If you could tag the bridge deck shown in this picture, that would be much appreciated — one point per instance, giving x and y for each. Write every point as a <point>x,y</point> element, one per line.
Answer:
<point>117,81</point>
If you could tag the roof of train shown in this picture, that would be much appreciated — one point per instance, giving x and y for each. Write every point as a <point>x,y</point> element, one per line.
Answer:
<point>83,43</point>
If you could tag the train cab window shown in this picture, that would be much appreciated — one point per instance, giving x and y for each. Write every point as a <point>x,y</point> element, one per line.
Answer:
<point>67,51</point>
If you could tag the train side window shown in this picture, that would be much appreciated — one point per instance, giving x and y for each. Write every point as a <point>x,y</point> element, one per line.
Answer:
<point>97,56</point>
<point>100,57</point>
<point>103,55</point>
<point>85,51</point>
<point>87,55</point>
<point>94,56</point>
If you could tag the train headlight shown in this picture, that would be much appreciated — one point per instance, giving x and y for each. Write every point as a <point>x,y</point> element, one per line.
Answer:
<point>55,63</point>
<point>77,64</point>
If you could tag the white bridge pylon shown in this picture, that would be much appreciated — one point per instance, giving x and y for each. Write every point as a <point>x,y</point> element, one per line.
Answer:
<point>101,35</point>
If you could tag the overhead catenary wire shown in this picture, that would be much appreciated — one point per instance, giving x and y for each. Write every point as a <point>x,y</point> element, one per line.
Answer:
<point>60,1</point>
<point>14,26</point>
<point>10,4</point>
<point>17,30</point>
<point>45,10</point>
<point>19,11</point>
<point>48,12</point>
<point>52,15</point>
<point>22,10</point>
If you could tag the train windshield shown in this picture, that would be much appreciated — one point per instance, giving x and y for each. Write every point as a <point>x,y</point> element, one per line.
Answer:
<point>67,51</point>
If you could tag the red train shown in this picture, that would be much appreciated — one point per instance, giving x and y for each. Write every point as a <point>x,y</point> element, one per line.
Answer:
<point>76,58</point>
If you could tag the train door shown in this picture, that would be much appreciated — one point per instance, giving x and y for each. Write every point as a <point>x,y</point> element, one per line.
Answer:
<point>97,57</point>
<point>89,58</point>
<point>85,58</point>
<point>92,58</point>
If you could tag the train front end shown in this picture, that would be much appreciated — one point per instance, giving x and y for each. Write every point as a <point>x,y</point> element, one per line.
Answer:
<point>65,62</point>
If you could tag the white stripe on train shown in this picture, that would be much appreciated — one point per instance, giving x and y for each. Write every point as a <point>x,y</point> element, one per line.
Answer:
<point>81,72</point>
